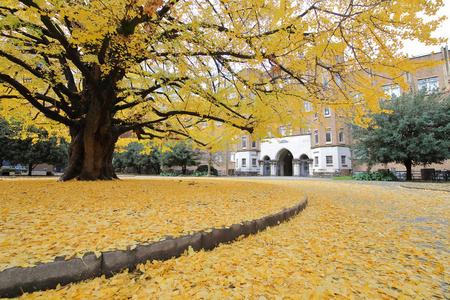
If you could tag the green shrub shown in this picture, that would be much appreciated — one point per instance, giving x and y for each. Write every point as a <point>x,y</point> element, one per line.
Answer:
<point>377,176</point>
<point>197,174</point>
<point>169,174</point>
<point>204,168</point>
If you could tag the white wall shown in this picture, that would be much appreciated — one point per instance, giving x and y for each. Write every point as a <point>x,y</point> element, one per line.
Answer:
<point>248,155</point>
<point>336,153</point>
<point>297,145</point>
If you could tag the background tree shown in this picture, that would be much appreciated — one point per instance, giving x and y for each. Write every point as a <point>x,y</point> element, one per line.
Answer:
<point>51,151</point>
<point>6,140</point>
<point>132,156</point>
<point>414,129</point>
<point>211,158</point>
<point>181,154</point>
<point>31,146</point>
<point>162,68</point>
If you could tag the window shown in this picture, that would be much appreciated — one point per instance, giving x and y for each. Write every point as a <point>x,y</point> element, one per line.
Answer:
<point>343,160</point>
<point>327,112</point>
<point>328,136</point>
<point>325,81</point>
<point>341,135</point>
<point>306,128</point>
<point>254,144</point>
<point>232,156</point>
<point>392,90</point>
<point>254,162</point>
<point>282,130</point>
<point>316,137</point>
<point>307,106</point>
<point>244,142</point>
<point>428,84</point>
<point>316,161</point>
<point>244,162</point>
<point>329,160</point>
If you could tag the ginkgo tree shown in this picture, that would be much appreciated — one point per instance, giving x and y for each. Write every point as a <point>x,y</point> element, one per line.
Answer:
<point>179,69</point>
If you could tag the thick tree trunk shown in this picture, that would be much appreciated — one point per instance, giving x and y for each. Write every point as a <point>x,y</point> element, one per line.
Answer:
<point>408,165</point>
<point>91,149</point>
<point>30,169</point>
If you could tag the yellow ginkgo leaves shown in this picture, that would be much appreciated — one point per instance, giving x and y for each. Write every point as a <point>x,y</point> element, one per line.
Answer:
<point>354,241</point>
<point>43,219</point>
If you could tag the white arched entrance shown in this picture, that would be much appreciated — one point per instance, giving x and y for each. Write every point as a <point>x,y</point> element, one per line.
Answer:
<point>304,165</point>
<point>285,163</point>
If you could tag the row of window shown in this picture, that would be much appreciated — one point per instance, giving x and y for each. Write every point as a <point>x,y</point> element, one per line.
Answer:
<point>329,160</point>
<point>244,162</point>
<point>328,136</point>
<point>428,84</point>
<point>244,143</point>
<point>326,110</point>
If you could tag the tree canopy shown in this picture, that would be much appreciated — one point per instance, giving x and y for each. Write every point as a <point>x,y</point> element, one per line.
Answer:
<point>181,154</point>
<point>31,146</point>
<point>413,129</point>
<point>132,156</point>
<point>180,69</point>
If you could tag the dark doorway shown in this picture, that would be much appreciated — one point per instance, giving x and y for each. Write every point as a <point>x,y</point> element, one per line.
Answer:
<point>285,163</point>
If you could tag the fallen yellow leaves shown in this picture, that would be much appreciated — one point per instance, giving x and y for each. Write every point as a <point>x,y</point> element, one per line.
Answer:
<point>354,241</point>
<point>43,219</point>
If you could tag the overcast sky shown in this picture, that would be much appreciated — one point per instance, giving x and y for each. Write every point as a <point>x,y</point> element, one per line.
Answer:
<point>415,48</point>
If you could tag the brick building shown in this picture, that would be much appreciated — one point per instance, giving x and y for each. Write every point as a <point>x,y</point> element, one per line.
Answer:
<point>323,149</point>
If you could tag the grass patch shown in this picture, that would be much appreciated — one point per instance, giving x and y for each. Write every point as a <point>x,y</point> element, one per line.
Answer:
<point>343,178</point>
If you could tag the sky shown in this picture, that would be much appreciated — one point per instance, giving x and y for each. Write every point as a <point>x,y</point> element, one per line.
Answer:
<point>416,49</point>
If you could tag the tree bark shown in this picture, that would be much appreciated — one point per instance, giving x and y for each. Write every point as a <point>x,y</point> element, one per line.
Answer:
<point>408,165</point>
<point>30,169</point>
<point>92,147</point>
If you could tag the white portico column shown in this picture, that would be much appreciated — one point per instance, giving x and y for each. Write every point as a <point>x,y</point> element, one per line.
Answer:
<point>273,168</point>
<point>296,167</point>
<point>261,167</point>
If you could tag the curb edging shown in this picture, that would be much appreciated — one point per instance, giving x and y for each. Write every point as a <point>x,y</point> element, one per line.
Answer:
<point>18,280</point>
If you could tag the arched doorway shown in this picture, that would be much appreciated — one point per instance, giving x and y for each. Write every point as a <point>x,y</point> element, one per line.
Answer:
<point>304,165</point>
<point>266,166</point>
<point>285,163</point>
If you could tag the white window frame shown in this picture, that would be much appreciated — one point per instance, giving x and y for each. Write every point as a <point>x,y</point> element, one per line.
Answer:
<point>316,161</point>
<point>327,112</point>
<point>328,137</point>
<point>254,162</point>
<point>244,142</point>
<point>341,135</point>
<point>344,160</point>
<point>244,162</point>
<point>392,90</point>
<point>253,144</point>
<point>307,106</point>
<point>316,137</point>
<point>430,83</point>
<point>232,156</point>
<point>329,160</point>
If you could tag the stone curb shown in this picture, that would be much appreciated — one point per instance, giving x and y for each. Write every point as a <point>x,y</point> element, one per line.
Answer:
<point>424,188</point>
<point>16,281</point>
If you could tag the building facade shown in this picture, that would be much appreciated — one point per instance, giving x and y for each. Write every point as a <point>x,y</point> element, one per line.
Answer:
<point>323,149</point>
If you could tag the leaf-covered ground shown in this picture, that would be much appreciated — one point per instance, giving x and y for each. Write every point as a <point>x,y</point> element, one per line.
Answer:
<point>354,241</point>
<point>42,219</point>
